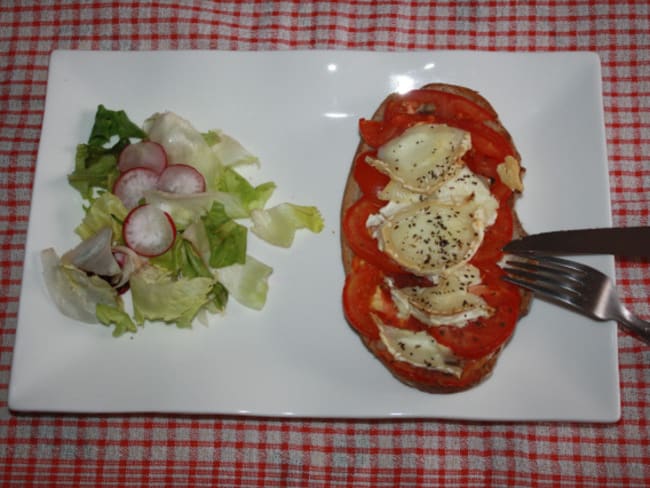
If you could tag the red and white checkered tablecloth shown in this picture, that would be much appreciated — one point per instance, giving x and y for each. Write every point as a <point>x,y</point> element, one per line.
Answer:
<point>47,450</point>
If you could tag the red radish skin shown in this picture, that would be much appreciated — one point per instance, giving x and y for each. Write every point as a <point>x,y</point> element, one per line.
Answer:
<point>120,257</point>
<point>143,154</point>
<point>181,178</point>
<point>132,184</point>
<point>149,231</point>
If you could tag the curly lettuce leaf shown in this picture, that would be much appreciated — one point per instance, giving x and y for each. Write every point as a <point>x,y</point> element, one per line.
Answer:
<point>95,162</point>
<point>278,225</point>
<point>211,138</point>
<point>184,144</point>
<point>227,238</point>
<point>183,260</point>
<point>247,282</point>
<point>250,197</point>
<point>95,167</point>
<point>112,123</point>
<point>75,293</point>
<point>228,150</point>
<point>219,296</point>
<point>158,296</point>
<point>198,237</point>
<point>105,211</point>
<point>187,208</point>
<point>110,315</point>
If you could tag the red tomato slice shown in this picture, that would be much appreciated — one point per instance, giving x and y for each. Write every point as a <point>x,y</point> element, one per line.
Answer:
<point>484,335</point>
<point>481,164</point>
<point>442,104</point>
<point>500,191</point>
<point>375,133</point>
<point>370,180</point>
<point>485,141</point>
<point>496,236</point>
<point>360,287</point>
<point>470,376</point>
<point>365,293</point>
<point>360,240</point>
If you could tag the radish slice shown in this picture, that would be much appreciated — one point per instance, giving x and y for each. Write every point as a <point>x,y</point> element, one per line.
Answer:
<point>181,178</point>
<point>143,154</point>
<point>149,231</point>
<point>132,184</point>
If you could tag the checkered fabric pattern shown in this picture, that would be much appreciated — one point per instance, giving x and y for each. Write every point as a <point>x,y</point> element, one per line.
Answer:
<point>153,451</point>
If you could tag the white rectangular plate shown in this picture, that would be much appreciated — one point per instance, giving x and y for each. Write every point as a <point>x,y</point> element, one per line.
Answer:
<point>298,111</point>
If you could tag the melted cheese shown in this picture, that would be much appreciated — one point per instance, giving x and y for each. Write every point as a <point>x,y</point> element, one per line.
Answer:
<point>448,302</point>
<point>395,193</point>
<point>468,187</point>
<point>423,156</point>
<point>418,349</point>
<point>464,187</point>
<point>510,174</point>
<point>428,238</point>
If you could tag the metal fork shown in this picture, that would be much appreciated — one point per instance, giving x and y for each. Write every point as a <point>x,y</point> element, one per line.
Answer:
<point>577,286</point>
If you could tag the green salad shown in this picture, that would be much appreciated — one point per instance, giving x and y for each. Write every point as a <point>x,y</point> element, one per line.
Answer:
<point>167,217</point>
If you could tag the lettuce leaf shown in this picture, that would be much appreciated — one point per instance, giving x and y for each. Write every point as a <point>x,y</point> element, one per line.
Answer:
<point>247,282</point>
<point>219,296</point>
<point>228,150</point>
<point>185,209</point>
<point>250,197</point>
<point>75,293</point>
<point>110,315</point>
<point>157,296</point>
<point>112,123</point>
<point>95,167</point>
<point>227,238</point>
<point>198,237</point>
<point>183,260</point>
<point>278,225</point>
<point>105,211</point>
<point>211,137</point>
<point>95,162</point>
<point>184,144</point>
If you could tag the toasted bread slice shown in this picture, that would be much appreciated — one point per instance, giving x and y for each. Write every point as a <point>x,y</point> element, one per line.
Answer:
<point>474,370</point>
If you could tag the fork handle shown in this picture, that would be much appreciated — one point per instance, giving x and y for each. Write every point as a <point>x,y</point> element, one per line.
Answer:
<point>635,326</point>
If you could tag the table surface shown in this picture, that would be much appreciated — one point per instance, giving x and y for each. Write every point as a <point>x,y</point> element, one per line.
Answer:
<point>149,450</point>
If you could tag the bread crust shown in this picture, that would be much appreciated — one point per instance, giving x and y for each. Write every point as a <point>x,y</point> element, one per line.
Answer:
<point>476,370</point>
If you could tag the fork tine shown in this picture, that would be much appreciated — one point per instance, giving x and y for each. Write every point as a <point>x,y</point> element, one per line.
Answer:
<point>561,295</point>
<point>541,277</point>
<point>540,270</point>
<point>550,277</point>
<point>554,262</point>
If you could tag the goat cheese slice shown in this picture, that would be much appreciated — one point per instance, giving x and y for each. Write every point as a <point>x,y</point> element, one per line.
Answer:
<point>418,349</point>
<point>423,156</point>
<point>465,186</point>
<point>447,302</point>
<point>431,237</point>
